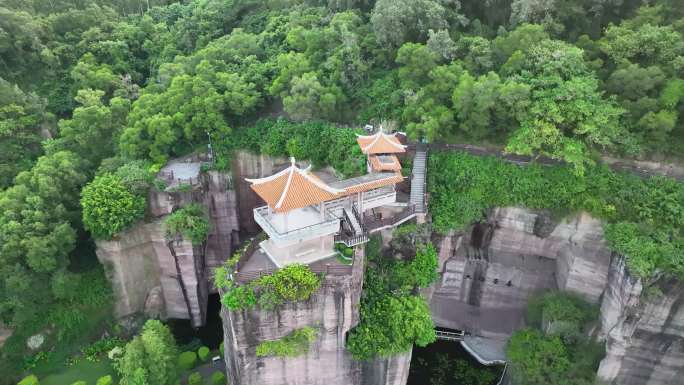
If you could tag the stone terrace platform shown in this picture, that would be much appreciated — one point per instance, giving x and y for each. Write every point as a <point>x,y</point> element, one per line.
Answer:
<point>256,264</point>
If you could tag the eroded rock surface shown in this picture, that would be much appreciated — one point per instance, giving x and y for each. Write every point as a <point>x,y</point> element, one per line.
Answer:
<point>172,278</point>
<point>489,272</point>
<point>644,333</point>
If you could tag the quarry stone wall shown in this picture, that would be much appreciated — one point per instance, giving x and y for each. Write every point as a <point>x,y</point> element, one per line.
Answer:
<point>172,278</point>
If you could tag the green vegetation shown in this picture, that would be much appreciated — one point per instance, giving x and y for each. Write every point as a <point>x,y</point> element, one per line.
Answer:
<point>645,216</point>
<point>87,86</point>
<point>562,351</point>
<point>29,380</point>
<point>195,378</point>
<point>393,317</point>
<point>218,378</point>
<point>445,369</point>
<point>106,380</point>
<point>150,358</point>
<point>109,207</point>
<point>189,221</point>
<point>81,371</point>
<point>187,360</point>
<point>301,140</point>
<point>293,283</point>
<point>203,353</point>
<point>292,345</point>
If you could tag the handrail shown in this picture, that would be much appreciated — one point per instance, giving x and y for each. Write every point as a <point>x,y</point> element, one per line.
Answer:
<point>358,218</point>
<point>258,212</point>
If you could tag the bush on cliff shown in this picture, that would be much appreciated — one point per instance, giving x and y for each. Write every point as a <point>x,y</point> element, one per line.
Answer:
<point>292,345</point>
<point>109,206</point>
<point>190,221</point>
<point>292,283</point>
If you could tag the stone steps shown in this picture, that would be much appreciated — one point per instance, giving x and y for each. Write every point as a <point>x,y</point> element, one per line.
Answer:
<point>417,196</point>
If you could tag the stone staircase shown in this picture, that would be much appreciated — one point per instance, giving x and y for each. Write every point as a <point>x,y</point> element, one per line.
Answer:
<point>353,221</point>
<point>417,197</point>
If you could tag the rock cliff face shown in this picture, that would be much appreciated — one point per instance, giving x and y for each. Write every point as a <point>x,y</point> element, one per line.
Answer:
<point>333,311</point>
<point>489,272</point>
<point>644,333</point>
<point>171,278</point>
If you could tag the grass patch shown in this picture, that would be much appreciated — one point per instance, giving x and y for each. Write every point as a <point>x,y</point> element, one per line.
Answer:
<point>81,371</point>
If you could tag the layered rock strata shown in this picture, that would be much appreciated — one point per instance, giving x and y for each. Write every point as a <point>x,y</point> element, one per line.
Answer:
<point>171,278</point>
<point>643,329</point>
<point>489,272</point>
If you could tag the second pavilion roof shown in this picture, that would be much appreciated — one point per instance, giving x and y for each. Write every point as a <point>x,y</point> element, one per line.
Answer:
<point>380,143</point>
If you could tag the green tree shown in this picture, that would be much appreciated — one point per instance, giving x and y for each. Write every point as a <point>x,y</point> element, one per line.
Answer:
<point>568,114</point>
<point>308,98</point>
<point>109,206</point>
<point>398,21</point>
<point>22,117</point>
<point>150,358</point>
<point>535,359</point>
<point>391,325</point>
<point>190,222</point>
<point>92,130</point>
<point>36,234</point>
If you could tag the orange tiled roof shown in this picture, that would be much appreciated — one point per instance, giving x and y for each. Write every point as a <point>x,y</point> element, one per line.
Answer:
<point>385,163</point>
<point>293,188</point>
<point>380,143</point>
<point>392,178</point>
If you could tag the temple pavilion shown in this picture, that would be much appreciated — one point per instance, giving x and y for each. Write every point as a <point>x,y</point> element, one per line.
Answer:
<point>304,216</point>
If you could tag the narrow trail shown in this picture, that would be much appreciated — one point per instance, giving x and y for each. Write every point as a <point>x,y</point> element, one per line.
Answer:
<point>640,168</point>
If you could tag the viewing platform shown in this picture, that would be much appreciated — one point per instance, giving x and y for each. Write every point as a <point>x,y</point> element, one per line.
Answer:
<point>296,225</point>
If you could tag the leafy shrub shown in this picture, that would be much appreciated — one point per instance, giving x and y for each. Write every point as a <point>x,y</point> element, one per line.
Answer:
<point>348,252</point>
<point>29,380</point>
<point>424,265</point>
<point>136,176</point>
<point>187,360</point>
<point>393,318</point>
<point>292,345</point>
<point>292,283</point>
<point>195,379</point>
<point>79,383</point>
<point>222,348</point>
<point>203,353</point>
<point>240,297</point>
<point>106,380</point>
<point>109,206</point>
<point>218,378</point>
<point>190,221</point>
<point>94,351</point>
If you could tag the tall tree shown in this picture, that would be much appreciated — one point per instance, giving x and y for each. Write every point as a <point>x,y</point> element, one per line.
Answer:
<point>150,358</point>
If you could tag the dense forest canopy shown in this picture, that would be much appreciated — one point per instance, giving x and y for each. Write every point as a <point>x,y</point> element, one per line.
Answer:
<point>110,90</point>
